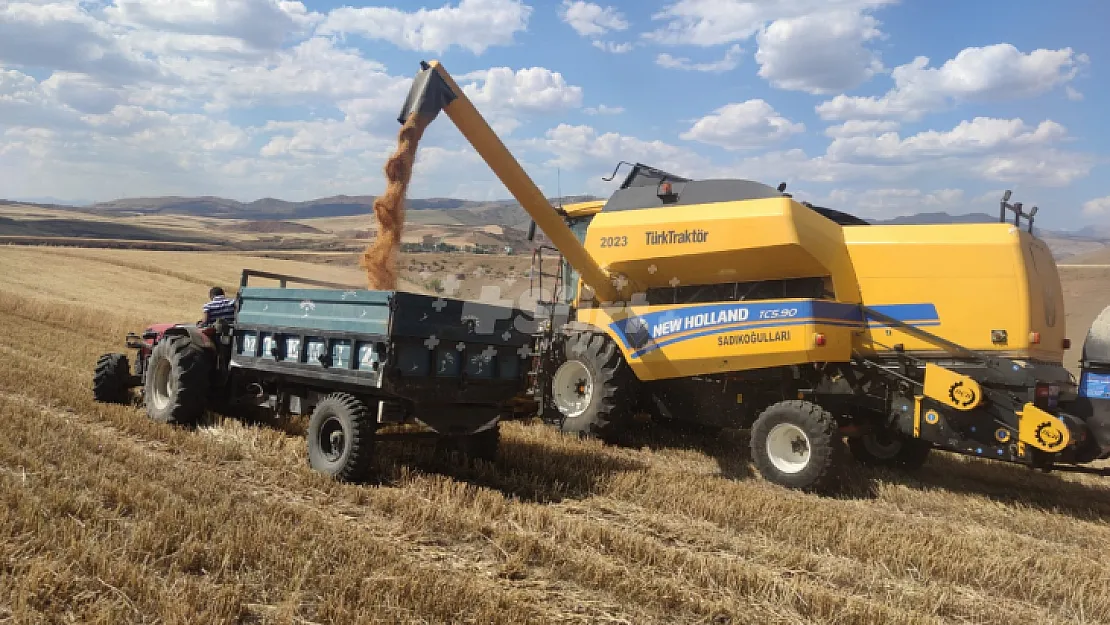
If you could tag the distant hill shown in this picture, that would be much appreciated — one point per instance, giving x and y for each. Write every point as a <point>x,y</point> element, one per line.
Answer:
<point>501,212</point>
<point>938,218</point>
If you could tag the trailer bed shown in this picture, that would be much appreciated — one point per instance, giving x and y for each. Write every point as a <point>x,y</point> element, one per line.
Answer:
<point>451,364</point>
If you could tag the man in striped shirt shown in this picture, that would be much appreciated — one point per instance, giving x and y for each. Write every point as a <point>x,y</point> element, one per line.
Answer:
<point>218,307</point>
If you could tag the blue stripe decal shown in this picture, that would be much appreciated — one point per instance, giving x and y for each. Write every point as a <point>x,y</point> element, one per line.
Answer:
<point>643,333</point>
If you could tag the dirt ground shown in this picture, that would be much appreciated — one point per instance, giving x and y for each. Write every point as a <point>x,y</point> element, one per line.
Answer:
<point>108,517</point>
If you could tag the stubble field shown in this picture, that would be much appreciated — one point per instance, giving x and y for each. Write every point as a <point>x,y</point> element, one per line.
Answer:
<point>109,518</point>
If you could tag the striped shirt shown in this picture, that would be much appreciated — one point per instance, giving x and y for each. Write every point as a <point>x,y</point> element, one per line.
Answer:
<point>219,308</point>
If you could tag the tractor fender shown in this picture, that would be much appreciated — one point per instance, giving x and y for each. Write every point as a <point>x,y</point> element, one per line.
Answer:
<point>195,334</point>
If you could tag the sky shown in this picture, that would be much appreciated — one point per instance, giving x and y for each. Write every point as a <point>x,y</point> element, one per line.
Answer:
<point>876,107</point>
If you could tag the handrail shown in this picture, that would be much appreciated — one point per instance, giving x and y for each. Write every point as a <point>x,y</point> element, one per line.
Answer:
<point>283,280</point>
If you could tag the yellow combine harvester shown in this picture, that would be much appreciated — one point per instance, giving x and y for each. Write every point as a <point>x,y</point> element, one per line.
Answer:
<point>729,303</point>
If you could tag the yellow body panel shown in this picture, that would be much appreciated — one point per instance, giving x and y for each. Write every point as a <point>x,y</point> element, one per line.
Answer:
<point>976,277</point>
<point>765,239</point>
<point>672,341</point>
<point>952,389</point>
<point>583,209</point>
<point>1042,430</point>
<point>959,282</point>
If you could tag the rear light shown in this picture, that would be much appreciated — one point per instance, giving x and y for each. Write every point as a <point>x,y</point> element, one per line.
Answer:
<point>1067,343</point>
<point>1042,391</point>
<point>818,339</point>
<point>1035,337</point>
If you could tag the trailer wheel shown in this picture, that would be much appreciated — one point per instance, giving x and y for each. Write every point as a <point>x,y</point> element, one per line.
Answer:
<point>177,381</point>
<point>112,379</point>
<point>796,444</point>
<point>593,388</point>
<point>341,438</point>
<point>890,449</point>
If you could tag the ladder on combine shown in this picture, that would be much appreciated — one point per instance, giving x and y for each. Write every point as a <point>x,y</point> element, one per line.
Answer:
<point>546,306</point>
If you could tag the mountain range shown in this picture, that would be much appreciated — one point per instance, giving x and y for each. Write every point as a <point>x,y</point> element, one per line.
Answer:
<point>507,213</point>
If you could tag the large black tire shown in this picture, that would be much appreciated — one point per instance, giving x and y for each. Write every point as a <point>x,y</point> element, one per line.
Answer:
<point>797,444</point>
<point>593,389</point>
<point>341,438</point>
<point>890,449</point>
<point>112,379</point>
<point>178,379</point>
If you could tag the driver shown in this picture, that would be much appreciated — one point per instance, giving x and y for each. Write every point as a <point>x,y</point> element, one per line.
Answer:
<point>218,307</point>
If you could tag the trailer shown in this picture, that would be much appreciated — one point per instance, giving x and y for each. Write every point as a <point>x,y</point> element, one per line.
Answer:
<point>355,360</point>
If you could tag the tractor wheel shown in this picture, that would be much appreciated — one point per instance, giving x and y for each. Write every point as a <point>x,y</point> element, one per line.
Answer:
<point>593,388</point>
<point>341,438</point>
<point>112,379</point>
<point>890,449</point>
<point>177,381</point>
<point>797,444</point>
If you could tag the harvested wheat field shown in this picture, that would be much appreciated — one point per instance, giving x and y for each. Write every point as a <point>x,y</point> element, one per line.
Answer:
<point>110,518</point>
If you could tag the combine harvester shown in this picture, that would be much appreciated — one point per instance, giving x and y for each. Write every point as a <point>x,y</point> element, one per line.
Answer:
<point>729,303</point>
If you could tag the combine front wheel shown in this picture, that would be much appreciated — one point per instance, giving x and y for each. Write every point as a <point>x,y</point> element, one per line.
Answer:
<point>796,444</point>
<point>593,387</point>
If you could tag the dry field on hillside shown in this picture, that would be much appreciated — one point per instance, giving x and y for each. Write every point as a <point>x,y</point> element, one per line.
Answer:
<point>109,518</point>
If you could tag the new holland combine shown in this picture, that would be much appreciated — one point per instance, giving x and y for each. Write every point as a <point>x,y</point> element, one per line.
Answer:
<point>728,302</point>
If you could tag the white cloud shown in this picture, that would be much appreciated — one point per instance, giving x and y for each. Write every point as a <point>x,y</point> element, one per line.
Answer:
<point>1097,207</point>
<point>603,109</point>
<point>716,22</point>
<point>992,73</point>
<point>982,135</point>
<point>615,48</point>
<point>728,63</point>
<point>893,202</point>
<point>856,127</point>
<point>577,147</point>
<point>64,36</point>
<point>473,25</point>
<point>81,93</point>
<point>819,53</point>
<point>743,125</point>
<point>264,24</point>
<point>532,89</point>
<point>1073,94</point>
<point>589,19</point>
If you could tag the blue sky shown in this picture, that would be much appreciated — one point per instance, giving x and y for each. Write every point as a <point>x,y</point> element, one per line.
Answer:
<point>880,107</point>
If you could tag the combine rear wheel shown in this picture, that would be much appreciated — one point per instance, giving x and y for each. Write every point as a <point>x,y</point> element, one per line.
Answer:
<point>890,449</point>
<point>796,444</point>
<point>341,438</point>
<point>593,388</point>
<point>177,381</point>
<point>112,379</point>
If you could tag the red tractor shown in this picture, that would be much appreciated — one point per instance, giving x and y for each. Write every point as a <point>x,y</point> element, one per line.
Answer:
<point>174,366</point>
